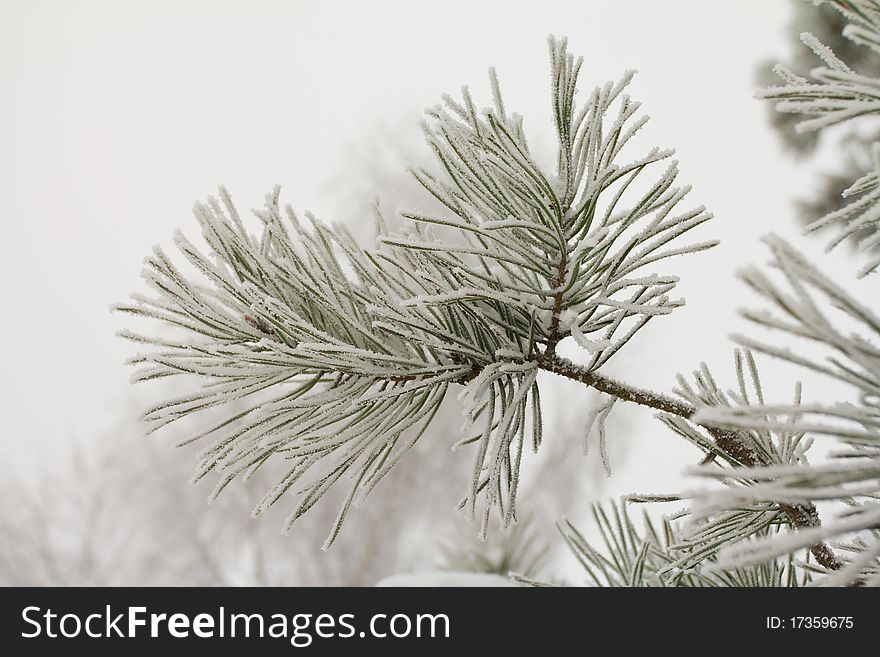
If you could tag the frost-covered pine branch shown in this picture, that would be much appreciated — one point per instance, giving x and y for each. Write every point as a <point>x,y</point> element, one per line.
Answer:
<point>342,355</point>
<point>333,359</point>
<point>760,512</point>
<point>695,543</point>
<point>843,334</point>
<point>807,305</point>
<point>835,94</point>
<point>663,554</point>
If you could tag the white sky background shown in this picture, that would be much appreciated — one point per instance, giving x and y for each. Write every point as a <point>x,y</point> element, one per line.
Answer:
<point>116,116</point>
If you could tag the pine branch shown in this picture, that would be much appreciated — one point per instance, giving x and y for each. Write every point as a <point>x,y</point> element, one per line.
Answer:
<point>801,515</point>
<point>345,353</point>
<point>837,94</point>
<point>807,305</point>
<point>664,554</point>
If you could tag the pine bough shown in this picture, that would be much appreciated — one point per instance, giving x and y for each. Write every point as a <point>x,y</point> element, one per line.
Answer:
<point>333,359</point>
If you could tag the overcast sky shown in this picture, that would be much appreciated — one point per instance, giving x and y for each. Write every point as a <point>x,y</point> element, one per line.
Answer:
<point>116,116</point>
